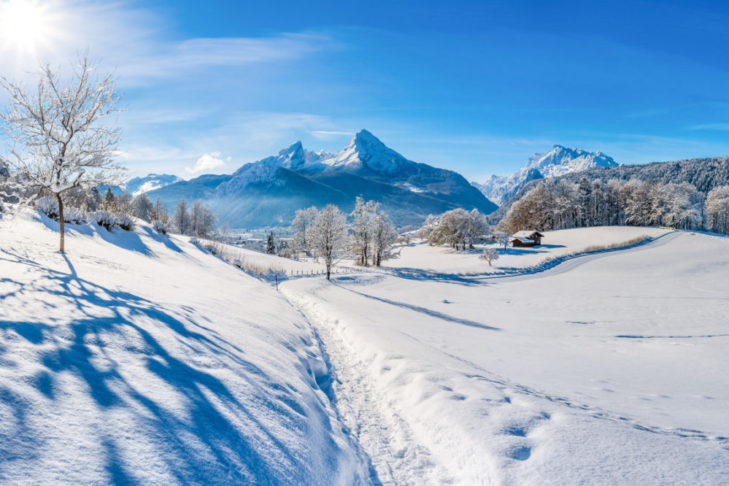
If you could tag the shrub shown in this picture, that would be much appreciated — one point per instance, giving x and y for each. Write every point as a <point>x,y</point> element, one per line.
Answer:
<point>48,206</point>
<point>161,227</point>
<point>104,219</point>
<point>75,216</point>
<point>125,222</point>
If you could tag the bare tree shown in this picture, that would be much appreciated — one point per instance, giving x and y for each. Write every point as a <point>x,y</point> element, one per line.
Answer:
<point>59,141</point>
<point>329,235</point>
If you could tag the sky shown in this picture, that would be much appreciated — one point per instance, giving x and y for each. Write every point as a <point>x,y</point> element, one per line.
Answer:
<point>472,86</point>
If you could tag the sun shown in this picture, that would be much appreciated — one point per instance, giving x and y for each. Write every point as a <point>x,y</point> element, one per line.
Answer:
<point>23,24</point>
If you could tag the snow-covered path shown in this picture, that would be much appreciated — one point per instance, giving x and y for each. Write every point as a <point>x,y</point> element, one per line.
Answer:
<point>608,369</point>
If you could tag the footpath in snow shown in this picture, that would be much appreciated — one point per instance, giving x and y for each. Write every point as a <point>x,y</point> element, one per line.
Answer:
<point>608,369</point>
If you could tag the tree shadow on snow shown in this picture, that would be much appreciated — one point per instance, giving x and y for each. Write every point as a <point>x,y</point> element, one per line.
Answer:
<point>424,310</point>
<point>207,446</point>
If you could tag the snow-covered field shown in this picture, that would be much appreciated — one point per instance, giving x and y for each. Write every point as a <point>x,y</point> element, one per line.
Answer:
<point>607,369</point>
<point>138,358</point>
<point>419,256</point>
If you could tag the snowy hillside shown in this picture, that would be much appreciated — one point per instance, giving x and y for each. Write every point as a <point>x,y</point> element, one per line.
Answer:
<point>557,162</point>
<point>269,191</point>
<point>608,369</point>
<point>419,256</point>
<point>138,359</point>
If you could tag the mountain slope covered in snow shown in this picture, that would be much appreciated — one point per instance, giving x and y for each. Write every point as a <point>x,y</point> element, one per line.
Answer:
<point>269,191</point>
<point>558,161</point>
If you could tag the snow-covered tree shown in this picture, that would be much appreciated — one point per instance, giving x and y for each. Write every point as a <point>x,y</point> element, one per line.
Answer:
<point>363,215</point>
<point>329,235</point>
<point>717,209</point>
<point>143,208</point>
<point>159,213</point>
<point>302,228</point>
<point>457,228</point>
<point>182,217</point>
<point>503,238</point>
<point>383,236</point>
<point>202,219</point>
<point>59,139</point>
<point>490,255</point>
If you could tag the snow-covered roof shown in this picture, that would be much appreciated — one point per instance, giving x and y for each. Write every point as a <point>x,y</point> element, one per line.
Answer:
<point>524,240</point>
<point>525,233</point>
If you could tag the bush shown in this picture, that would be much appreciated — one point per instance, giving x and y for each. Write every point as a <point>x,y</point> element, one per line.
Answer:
<point>104,219</point>
<point>125,222</point>
<point>47,205</point>
<point>161,227</point>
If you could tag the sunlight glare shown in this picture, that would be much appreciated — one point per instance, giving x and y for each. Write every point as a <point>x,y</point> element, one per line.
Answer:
<point>23,24</point>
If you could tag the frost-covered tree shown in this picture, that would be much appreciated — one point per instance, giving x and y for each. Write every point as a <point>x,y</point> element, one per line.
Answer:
<point>202,219</point>
<point>142,208</point>
<point>182,217</point>
<point>302,228</point>
<point>159,212</point>
<point>490,255</point>
<point>383,236</point>
<point>456,228</point>
<point>329,235</point>
<point>362,227</point>
<point>503,238</point>
<point>717,209</point>
<point>59,139</point>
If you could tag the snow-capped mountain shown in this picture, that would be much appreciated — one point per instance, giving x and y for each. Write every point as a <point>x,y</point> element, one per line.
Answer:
<point>558,161</point>
<point>139,185</point>
<point>269,191</point>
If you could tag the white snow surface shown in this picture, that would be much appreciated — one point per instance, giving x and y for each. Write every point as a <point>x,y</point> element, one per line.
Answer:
<point>418,256</point>
<point>607,369</point>
<point>140,359</point>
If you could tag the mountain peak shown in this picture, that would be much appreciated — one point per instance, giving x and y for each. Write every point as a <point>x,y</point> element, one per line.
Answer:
<point>558,161</point>
<point>365,141</point>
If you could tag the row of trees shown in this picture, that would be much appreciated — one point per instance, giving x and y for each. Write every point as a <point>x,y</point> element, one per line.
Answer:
<point>557,205</point>
<point>195,220</point>
<point>325,233</point>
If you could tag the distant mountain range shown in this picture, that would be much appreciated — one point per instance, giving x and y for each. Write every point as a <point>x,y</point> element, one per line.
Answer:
<point>269,191</point>
<point>557,162</point>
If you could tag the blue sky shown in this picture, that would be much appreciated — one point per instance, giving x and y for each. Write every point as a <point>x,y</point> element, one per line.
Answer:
<point>472,86</point>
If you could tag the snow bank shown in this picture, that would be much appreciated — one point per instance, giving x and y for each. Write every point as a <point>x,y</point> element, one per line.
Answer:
<point>137,358</point>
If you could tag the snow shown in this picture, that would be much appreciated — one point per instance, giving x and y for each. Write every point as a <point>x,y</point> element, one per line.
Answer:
<point>418,256</point>
<point>607,369</point>
<point>140,359</point>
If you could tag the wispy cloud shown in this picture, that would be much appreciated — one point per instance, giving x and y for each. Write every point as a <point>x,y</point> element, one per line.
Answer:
<point>717,127</point>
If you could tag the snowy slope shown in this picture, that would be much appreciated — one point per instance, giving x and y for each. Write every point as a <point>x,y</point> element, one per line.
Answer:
<point>609,369</point>
<point>419,256</point>
<point>558,161</point>
<point>141,359</point>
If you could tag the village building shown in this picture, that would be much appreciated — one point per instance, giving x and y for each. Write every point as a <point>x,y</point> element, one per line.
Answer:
<point>526,238</point>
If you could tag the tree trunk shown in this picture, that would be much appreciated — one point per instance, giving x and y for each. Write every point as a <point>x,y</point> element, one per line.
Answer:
<point>61,222</point>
